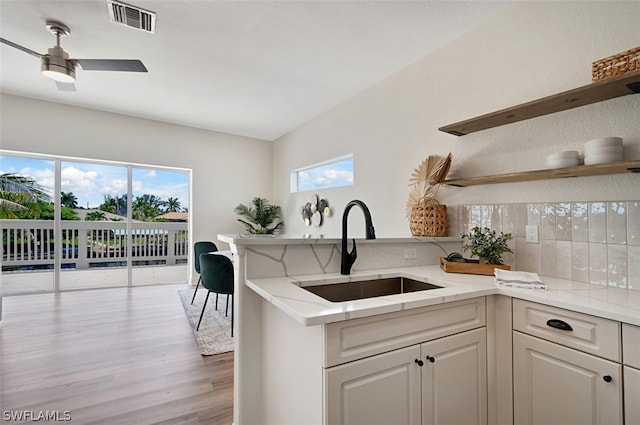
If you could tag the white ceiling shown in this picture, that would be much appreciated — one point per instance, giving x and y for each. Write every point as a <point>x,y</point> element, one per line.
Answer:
<point>252,68</point>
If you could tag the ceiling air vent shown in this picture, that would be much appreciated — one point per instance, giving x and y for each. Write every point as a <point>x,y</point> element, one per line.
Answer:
<point>132,16</point>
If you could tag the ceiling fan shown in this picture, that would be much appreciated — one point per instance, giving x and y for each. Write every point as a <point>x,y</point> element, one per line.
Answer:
<point>57,65</point>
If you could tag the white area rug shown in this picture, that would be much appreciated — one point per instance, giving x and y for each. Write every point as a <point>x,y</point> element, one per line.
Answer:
<point>214,336</point>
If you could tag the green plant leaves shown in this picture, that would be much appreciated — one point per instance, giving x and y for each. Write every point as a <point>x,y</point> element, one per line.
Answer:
<point>261,218</point>
<point>486,243</point>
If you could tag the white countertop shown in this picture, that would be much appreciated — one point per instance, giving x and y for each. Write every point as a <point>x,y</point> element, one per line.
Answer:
<point>309,309</point>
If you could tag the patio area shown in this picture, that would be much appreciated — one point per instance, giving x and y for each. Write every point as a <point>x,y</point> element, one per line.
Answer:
<point>28,282</point>
<point>92,254</point>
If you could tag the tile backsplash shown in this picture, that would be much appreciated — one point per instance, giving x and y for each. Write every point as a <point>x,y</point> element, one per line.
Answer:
<point>595,242</point>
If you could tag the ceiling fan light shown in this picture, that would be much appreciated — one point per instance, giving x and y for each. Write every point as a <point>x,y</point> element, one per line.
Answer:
<point>61,75</point>
<point>58,67</point>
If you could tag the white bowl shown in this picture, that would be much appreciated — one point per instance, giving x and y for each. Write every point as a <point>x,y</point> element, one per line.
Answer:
<point>599,150</point>
<point>562,162</point>
<point>603,141</point>
<point>602,159</point>
<point>563,155</point>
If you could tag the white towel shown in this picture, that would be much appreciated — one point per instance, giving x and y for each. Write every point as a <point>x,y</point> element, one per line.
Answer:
<point>518,279</point>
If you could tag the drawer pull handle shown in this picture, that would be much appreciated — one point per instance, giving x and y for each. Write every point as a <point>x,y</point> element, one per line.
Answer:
<point>607,378</point>
<point>559,324</point>
<point>420,362</point>
<point>431,359</point>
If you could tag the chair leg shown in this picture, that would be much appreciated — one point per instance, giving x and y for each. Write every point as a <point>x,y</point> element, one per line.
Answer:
<point>202,313</point>
<point>231,315</point>
<point>217,301</point>
<point>226,310</point>
<point>196,291</point>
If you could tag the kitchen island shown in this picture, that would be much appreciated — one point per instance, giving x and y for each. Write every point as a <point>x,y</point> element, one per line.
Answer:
<point>283,339</point>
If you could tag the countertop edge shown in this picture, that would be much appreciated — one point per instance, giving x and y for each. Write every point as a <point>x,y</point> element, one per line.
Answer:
<point>309,310</point>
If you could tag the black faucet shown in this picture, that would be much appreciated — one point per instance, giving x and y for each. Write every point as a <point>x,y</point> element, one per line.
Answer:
<point>348,258</point>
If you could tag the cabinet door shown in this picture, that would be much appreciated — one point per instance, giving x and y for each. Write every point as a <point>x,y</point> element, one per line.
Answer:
<point>553,384</point>
<point>631,395</point>
<point>383,389</point>
<point>454,379</point>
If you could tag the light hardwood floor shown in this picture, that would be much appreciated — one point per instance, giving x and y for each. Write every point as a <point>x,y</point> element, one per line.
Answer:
<point>110,356</point>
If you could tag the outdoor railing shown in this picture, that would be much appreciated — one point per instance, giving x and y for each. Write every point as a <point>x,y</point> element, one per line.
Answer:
<point>31,244</point>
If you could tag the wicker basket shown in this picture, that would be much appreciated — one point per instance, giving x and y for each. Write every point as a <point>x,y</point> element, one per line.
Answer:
<point>429,219</point>
<point>613,66</point>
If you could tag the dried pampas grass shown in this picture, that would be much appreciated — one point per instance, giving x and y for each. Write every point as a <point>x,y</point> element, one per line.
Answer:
<point>425,180</point>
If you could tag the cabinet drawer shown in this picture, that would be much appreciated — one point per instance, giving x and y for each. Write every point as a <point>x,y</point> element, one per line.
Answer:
<point>586,333</point>
<point>631,345</point>
<point>358,338</point>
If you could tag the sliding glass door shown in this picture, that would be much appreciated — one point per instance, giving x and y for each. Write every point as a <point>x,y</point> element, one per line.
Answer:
<point>160,211</point>
<point>76,224</point>
<point>26,220</point>
<point>93,200</point>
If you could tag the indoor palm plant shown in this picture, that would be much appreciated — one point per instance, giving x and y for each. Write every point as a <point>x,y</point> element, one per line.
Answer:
<point>427,217</point>
<point>486,244</point>
<point>262,218</point>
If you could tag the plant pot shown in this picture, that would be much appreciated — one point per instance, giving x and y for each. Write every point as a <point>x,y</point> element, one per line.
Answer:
<point>429,219</point>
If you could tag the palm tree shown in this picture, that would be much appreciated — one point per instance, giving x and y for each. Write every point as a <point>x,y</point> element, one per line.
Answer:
<point>68,199</point>
<point>11,203</point>
<point>154,201</point>
<point>146,207</point>
<point>121,205</point>
<point>20,193</point>
<point>262,218</point>
<point>114,205</point>
<point>11,182</point>
<point>95,216</point>
<point>173,205</point>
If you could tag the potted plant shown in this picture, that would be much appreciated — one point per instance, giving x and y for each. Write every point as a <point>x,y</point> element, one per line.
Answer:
<point>486,244</point>
<point>427,217</point>
<point>260,219</point>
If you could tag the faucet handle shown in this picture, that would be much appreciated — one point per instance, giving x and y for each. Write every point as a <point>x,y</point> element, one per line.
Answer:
<point>348,258</point>
<point>354,251</point>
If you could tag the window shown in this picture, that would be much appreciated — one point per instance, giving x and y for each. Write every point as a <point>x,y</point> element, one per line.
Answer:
<point>332,173</point>
<point>115,221</point>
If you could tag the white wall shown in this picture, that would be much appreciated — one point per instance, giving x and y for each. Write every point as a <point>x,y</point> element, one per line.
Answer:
<point>226,169</point>
<point>532,50</point>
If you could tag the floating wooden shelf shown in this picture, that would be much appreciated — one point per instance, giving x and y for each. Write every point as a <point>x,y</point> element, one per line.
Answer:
<point>585,95</point>
<point>556,173</point>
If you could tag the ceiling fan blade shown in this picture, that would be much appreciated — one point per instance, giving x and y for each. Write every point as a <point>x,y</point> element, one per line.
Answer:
<point>19,47</point>
<point>65,86</point>
<point>128,65</point>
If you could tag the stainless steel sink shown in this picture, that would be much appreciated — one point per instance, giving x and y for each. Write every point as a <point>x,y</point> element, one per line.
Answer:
<point>349,291</point>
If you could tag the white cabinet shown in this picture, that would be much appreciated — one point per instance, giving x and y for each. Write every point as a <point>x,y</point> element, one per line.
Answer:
<point>631,395</point>
<point>438,382</point>
<point>558,385</point>
<point>426,365</point>
<point>383,389</point>
<point>454,379</point>
<point>557,379</point>
<point>631,358</point>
